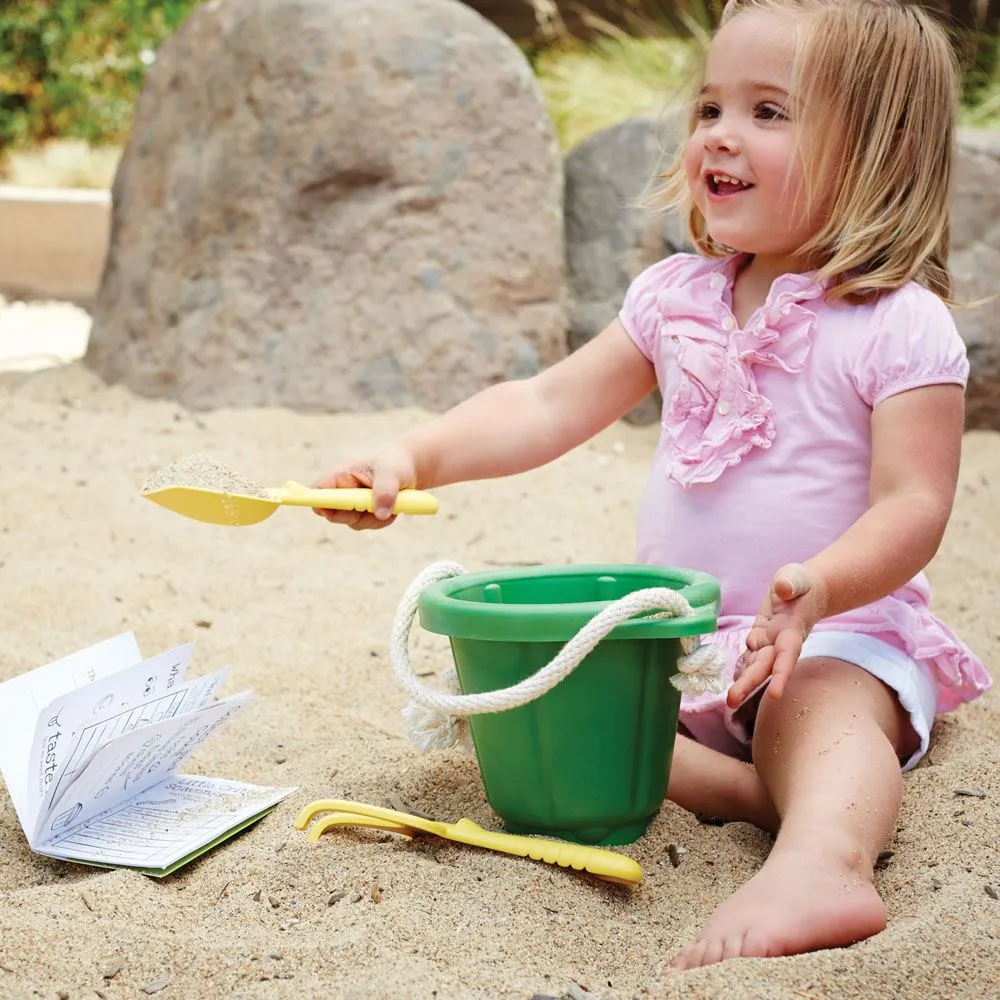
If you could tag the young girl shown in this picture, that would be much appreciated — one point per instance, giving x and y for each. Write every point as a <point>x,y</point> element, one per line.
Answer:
<point>813,382</point>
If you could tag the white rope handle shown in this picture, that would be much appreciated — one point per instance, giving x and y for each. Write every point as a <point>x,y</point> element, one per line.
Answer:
<point>700,670</point>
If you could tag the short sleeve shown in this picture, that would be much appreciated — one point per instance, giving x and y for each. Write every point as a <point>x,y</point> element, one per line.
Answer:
<point>913,342</point>
<point>640,313</point>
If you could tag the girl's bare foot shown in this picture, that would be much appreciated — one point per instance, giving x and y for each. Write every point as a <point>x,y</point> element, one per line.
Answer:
<point>827,755</point>
<point>808,895</point>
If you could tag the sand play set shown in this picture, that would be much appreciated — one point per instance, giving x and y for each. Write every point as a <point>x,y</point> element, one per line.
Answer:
<point>566,682</point>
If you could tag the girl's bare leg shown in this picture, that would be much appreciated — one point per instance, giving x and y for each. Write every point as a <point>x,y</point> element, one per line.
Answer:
<point>705,781</point>
<point>828,753</point>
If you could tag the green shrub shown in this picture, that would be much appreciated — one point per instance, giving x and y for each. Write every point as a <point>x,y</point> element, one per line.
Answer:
<point>74,68</point>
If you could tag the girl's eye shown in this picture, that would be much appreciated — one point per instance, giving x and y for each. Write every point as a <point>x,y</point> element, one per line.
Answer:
<point>705,112</point>
<point>771,112</point>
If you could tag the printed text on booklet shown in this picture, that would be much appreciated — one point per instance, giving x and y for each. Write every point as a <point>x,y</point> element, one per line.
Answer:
<point>90,749</point>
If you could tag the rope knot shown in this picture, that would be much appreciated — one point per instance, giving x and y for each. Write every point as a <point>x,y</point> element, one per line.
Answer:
<point>431,729</point>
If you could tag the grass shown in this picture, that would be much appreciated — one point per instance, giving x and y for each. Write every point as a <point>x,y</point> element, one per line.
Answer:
<point>587,88</point>
<point>986,113</point>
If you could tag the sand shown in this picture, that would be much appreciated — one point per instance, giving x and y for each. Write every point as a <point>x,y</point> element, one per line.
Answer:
<point>301,612</point>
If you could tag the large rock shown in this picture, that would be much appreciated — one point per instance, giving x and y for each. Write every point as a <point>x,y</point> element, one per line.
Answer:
<point>345,206</point>
<point>610,238</point>
<point>975,264</point>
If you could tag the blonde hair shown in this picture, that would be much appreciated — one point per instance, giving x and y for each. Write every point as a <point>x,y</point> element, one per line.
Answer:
<point>876,82</point>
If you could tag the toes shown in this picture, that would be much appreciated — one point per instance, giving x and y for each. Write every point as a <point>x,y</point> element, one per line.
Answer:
<point>709,951</point>
<point>713,951</point>
<point>691,957</point>
<point>754,946</point>
<point>678,964</point>
<point>732,946</point>
<point>684,959</point>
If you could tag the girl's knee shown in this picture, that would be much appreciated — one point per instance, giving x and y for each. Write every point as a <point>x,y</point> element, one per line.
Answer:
<point>837,692</point>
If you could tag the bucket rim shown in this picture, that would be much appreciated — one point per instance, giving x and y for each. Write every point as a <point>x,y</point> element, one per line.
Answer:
<point>442,612</point>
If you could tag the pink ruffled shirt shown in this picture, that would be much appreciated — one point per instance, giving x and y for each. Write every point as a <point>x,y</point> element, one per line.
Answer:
<point>765,450</point>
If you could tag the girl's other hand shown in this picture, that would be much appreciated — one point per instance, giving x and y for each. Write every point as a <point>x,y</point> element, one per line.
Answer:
<point>385,474</point>
<point>796,601</point>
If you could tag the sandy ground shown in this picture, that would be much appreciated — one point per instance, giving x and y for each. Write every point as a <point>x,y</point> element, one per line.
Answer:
<point>301,612</point>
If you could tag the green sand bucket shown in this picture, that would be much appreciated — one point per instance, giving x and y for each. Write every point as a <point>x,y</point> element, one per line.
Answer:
<point>588,761</point>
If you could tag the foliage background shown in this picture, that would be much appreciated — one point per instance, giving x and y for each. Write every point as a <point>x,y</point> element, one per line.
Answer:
<point>73,69</point>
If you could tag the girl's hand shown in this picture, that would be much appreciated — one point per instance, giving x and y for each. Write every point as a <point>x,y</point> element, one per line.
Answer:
<point>797,601</point>
<point>385,474</point>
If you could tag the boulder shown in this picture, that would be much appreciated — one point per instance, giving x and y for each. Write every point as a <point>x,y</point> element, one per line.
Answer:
<point>975,265</point>
<point>334,206</point>
<point>610,238</point>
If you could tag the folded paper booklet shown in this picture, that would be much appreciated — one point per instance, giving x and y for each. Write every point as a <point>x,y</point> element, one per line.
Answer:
<point>90,746</point>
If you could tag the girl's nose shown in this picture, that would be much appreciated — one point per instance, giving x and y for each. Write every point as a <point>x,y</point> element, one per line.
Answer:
<point>720,136</point>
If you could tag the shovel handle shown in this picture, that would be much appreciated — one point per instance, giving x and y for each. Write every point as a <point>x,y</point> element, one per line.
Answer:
<point>407,501</point>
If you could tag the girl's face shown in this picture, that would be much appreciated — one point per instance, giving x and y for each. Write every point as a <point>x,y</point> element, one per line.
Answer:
<point>743,160</point>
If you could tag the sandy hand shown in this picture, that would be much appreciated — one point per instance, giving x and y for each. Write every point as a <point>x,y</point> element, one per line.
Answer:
<point>796,601</point>
<point>384,474</point>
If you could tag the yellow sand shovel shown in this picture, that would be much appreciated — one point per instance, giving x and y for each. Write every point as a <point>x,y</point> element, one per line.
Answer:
<point>239,509</point>
<point>605,864</point>
<point>204,489</point>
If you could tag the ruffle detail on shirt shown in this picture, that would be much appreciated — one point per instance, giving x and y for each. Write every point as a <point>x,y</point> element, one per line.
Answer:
<point>717,415</point>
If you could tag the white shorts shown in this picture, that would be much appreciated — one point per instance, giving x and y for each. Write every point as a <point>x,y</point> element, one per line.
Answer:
<point>914,684</point>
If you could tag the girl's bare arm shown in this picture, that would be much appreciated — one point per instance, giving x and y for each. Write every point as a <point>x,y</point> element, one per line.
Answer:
<point>916,448</point>
<point>508,428</point>
<point>519,425</point>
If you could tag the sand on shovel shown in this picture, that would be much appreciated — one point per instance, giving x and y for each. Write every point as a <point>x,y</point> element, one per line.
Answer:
<point>205,473</point>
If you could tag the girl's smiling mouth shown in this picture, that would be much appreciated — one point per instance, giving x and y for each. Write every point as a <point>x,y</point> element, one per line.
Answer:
<point>723,185</point>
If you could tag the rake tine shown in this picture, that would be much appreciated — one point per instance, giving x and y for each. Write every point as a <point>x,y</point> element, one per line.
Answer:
<point>355,819</point>
<point>309,812</point>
